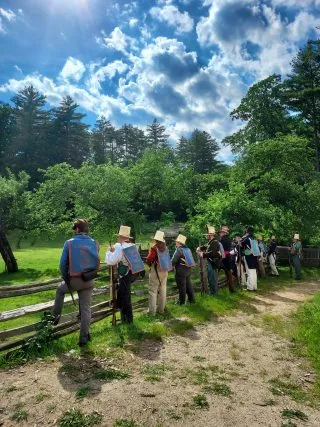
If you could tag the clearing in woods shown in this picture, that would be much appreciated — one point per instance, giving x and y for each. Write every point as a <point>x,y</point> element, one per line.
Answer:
<point>232,371</point>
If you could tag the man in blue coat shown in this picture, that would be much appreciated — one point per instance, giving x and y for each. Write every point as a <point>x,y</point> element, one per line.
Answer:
<point>79,261</point>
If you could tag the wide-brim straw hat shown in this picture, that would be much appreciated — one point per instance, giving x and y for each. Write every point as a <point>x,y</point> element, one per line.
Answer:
<point>159,236</point>
<point>210,230</point>
<point>181,239</point>
<point>259,237</point>
<point>224,228</point>
<point>296,236</point>
<point>124,231</point>
<point>273,237</point>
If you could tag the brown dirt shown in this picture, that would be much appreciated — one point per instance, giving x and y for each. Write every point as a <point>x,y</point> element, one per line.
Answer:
<point>231,351</point>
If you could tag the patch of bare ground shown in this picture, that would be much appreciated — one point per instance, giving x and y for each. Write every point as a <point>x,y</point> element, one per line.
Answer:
<point>229,372</point>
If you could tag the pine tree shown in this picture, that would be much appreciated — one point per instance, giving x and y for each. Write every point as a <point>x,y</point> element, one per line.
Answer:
<point>103,142</point>
<point>132,142</point>
<point>7,124</point>
<point>29,145</point>
<point>69,136</point>
<point>303,90</point>
<point>156,135</point>
<point>199,151</point>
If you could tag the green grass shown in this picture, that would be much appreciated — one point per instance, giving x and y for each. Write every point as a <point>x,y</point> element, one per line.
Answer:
<point>294,413</point>
<point>279,387</point>
<point>122,422</point>
<point>200,401</point>
<point>218,388</point>
<point>82,391</point>
<point>75,418</point>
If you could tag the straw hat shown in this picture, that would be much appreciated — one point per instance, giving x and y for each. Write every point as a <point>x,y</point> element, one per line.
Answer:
<point>259,237</point>
<point>159,236</point>
<point>210,230</point>
<point>124,231</point>
<point>224,228</point>
<point>296,236</point>
<point>273,237</point>
<point>181,239</point>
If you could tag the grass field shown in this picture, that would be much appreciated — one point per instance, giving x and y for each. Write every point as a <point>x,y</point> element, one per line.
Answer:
<point>40,262</point>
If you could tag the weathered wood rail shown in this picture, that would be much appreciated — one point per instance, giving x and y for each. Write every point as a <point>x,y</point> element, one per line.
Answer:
<point>310,256</point>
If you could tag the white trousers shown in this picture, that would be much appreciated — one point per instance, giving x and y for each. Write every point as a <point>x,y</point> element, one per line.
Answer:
<point>157,291</point>
<point>251,277</point>
<point>241,270</point>
<point>272,262</point>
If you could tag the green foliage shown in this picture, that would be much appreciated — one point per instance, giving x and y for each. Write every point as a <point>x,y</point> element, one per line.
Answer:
<point>41,339</point>
<point>284,388</point>
<point>82,391</point>
<point>19,413</point>
<point>75,418</point>
<point>110,374</point>
<point>294,413</point>
<point>218,388</point>
<point>156,135</point>
<point>200,401</point>
<point>122,422</point>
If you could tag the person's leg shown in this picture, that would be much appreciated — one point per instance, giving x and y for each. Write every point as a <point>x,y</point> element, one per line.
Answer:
<point>153,291</point>
<point>124,299</point>
<point>273,267</point>
<point>162,292</point>
<point>62,289</point>
<point>261,269</point>
<point>297,266</point>
<point>212,279</point>
<point>85,314</point>
<point>181,283</point>
<point>189,287</point>
<point>228,271</point>
<point>249,277</point>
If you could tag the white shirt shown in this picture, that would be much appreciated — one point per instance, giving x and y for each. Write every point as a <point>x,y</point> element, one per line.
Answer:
<point>113,258</point>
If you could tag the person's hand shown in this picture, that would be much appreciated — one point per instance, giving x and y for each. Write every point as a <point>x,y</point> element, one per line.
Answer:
<point>111,249</point>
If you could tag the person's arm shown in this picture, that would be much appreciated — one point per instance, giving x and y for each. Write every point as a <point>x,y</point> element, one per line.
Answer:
<point>152,256</point>
<point>64,260</point>
<point>113,258</point>
<point>176,256</point>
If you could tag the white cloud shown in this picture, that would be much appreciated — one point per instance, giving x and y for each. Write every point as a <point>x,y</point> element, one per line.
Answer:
<point>73,69</point>
<point>133,22</point>
<point>99,74</point>
<point>117,40</point>
<point>6,15</point>
<point>172,16</point>
<point>18,69</point>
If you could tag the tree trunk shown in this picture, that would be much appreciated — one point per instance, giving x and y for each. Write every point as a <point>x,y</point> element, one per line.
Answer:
<point>7,254</point>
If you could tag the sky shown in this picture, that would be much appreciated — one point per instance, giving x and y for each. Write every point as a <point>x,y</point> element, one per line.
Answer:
<point>186,63</point>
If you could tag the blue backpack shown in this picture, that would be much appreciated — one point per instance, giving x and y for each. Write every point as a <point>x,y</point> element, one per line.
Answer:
<point>253,249</point>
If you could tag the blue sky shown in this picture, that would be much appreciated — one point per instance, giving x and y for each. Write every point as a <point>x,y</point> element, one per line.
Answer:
<point>186,62</point>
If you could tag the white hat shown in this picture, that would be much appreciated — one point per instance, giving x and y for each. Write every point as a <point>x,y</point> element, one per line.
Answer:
<point>296,236</point>
<point>224,228</point>
<point>159,236</point>
<point>210,230</point>
<point>181,239</point>
<point>124,231</point>
<point>273,237</point>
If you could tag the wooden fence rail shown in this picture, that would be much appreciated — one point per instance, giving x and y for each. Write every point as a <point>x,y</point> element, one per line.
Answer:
<point>310,256</point>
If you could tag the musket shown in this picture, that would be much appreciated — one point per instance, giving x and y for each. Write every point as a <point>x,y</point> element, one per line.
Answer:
<point>113,296</point>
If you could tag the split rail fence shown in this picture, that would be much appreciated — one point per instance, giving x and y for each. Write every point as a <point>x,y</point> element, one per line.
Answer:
<point>13,338</point>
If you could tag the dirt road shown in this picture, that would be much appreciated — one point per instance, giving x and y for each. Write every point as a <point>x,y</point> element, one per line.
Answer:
<point>228,372</point>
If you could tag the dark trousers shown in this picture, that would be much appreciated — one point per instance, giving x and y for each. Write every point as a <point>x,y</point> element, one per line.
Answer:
<point>124,298</point>
<point>183,280</point>
<point>295,259</point>
<point>227,266</point>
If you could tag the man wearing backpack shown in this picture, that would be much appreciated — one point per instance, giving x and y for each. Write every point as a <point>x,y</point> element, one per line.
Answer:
<point>251,255</point>
<point>212,253</point>
<point>79,264</point>
<point>226,261</point>
<point>118,255</point>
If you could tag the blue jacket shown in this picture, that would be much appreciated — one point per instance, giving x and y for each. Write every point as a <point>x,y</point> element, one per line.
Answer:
<point>78,255</point>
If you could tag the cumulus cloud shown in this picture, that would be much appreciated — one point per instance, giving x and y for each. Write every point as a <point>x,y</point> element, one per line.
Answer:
<point>173,17</point>
<point>73,69</point>
<point>100,73</point>
<point>117,40</point>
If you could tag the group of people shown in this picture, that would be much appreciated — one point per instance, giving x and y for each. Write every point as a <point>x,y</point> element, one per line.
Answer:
<point>240,258</point>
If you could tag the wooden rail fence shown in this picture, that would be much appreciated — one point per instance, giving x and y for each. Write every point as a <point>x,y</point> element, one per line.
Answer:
<point>13,338</point>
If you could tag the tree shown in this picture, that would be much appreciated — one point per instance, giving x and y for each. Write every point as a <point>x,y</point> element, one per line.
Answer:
<point>132,143</point>
<point>272,187</point>
<point>29,144</point>
<point>302,90</point>
<point>7,123</point>
<point>263,111</point>
<point>104,142</point>
<point>13,202</point>
<point>156,135</point>
<point>199,152</point>
<point>68,135</point>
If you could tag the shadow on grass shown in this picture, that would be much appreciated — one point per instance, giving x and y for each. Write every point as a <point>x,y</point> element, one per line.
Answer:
<point>26,275</point>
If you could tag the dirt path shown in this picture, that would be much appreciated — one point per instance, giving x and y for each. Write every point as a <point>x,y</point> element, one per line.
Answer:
<point>244,375</point>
